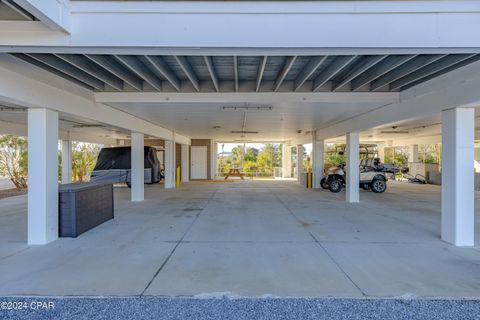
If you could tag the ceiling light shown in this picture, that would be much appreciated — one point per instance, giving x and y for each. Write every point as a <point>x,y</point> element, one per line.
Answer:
<point>247,108</point>
<point>394,132</point>
<point>245,132</point>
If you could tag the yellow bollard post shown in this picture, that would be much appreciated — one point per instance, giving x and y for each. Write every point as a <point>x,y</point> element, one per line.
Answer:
<point>177,177</point>
<point>309,178</point>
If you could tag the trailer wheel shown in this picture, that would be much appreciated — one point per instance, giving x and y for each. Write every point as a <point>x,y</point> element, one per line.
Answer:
<point>378,185</point>
<point>335,186</point>
<point>324,183</point>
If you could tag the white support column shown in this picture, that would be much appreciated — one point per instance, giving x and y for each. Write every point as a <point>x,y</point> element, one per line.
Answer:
<point>169,164</point>
<point>42,176</point>
<point>66,161</point>
<point>353,170</point>
<point>137,174</point>
<point>413,153</point>
<point>381,152</point>
<point>286,160</point>
<point>318,161</point>
<point>299,162</point>
<point>214,161</point>
<point>185,163</point>
<point>458,217</point>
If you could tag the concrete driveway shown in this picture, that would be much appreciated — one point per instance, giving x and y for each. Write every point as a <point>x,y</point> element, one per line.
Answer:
<point>247,238</point>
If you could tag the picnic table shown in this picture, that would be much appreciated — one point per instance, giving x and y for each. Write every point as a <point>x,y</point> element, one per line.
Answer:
<point>234,173</point>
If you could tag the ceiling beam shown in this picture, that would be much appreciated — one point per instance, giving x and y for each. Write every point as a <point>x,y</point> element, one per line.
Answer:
<point>443,71</point>
<point>113,66</point>
<point>212,72</point>
<point>91,68</point>
<point>188,70</point>
<point>161,67</point>
<point>404,69</point>
<point>286,68</point>
<point>384,66</point>
<point>331,70</point>
<point>428,70</point>
<point>308,70</point>
<point>54,71</point>
<point>247,97</point>
<point>357,69</point>
<point>67,68</point>
<point>137,67</point>
<point>260,71</point>
<point>235,72</point>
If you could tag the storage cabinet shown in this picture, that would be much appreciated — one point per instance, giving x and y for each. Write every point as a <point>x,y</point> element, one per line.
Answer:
<point>83,206</point>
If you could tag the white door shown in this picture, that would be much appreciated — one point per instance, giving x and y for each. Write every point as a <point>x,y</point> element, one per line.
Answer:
<point>198,164</point>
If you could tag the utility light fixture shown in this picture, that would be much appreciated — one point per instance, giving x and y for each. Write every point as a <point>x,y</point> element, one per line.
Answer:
<point>245,132</point>
<point>247,108</point>
<point>394,132</point>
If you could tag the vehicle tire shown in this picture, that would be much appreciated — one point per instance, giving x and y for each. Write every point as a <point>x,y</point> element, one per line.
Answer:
<point>324,183</point>
<point>365,186</point>
<point>378,185</point>
<point>129,184</point>
<point>335,185</point>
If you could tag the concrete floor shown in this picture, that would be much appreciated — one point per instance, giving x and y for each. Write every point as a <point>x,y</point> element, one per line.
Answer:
<point>247,238</point>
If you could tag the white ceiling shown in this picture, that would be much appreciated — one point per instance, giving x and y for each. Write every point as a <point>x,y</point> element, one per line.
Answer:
<point>198,120</point>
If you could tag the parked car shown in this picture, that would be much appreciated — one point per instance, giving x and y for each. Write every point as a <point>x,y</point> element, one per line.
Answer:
<point>114,165</point>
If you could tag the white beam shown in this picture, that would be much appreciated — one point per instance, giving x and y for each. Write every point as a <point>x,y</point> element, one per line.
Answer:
<point>458,216</point>
<point>185,163</point>
<point>254,97</point>
<point>194,25</point>
<point>20,129</point>
<point>21,90</point>
<point>413,153</point>
<point>457,88</point>
<point>352,168</point>
<point>286,160</point>
<point>137,170</point>
<point>318,149</point>
<point>299,162</point>
<point>169,164</point>
<point>66,161</point>
<point>42,176</point>
<point>55,14</point>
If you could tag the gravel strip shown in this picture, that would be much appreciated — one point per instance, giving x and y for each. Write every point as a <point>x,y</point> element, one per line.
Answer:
<point>237,308</point>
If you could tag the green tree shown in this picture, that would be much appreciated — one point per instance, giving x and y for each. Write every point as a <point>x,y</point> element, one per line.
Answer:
<point>268,158</point>
<point>430,153</point>
<point>84,157</point>
<point>14,159</point>
<point>237,156</point>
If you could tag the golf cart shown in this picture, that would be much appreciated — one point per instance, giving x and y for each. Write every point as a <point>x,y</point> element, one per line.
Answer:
<point>370,178</point>
<point>372,171</point>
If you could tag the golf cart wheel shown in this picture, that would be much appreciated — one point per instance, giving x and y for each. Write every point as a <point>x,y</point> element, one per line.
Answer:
<point>324,183</point>
<point>378,185</point>
<point>335,186</point>
<point>365,186</point>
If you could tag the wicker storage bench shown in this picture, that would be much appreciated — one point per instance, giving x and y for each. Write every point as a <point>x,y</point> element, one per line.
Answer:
<point>83,206</point>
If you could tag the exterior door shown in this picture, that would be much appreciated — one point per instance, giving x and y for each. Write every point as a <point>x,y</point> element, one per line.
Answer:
<point>198,162</point>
